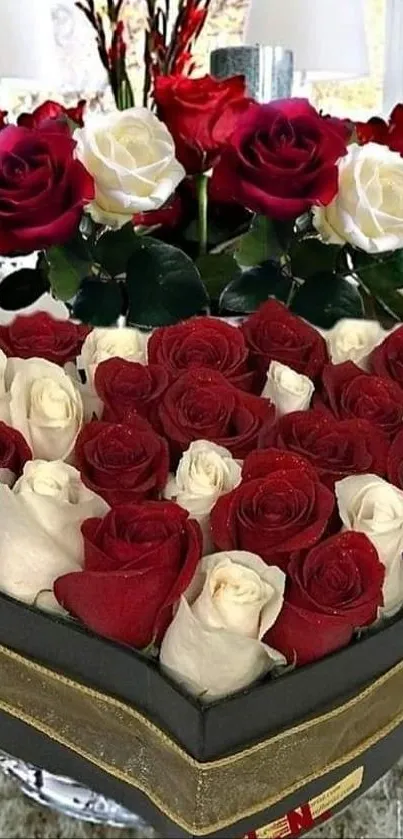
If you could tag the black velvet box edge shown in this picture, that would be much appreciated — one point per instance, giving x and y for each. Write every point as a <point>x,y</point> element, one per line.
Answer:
<point>204,731</point>
<point>21,741</point>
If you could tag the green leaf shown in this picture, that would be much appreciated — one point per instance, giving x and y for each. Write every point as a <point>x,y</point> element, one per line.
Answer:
<point>326,298</point>
<point>98,302</point>
<point>164,285</point>
<point>310,256</point>
<point>68,265</point>
<point>383,278</point>
<point>246,293</point>
<point>114,249</point>
<point>259,244</point>
<point>216,271</point>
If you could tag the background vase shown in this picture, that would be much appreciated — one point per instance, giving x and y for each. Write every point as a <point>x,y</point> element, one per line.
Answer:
<point>268,71</point>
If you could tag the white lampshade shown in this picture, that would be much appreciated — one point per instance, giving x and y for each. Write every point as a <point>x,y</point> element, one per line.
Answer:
<point>27,43</point>
<point>327,37</point>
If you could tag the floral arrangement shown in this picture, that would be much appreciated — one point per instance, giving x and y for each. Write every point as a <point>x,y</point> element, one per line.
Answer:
<point>227,499</point>
<point>200,200</point>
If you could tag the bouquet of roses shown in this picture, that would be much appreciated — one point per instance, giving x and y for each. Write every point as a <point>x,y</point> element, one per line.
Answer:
<point>199,201</point>
<point>228,499</point>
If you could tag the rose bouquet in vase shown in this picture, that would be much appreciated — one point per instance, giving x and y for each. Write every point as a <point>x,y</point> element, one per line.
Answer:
<point>203,504</point>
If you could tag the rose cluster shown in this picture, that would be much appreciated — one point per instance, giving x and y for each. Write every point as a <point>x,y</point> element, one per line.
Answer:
<point>230,498</point>
<point>281,159</point>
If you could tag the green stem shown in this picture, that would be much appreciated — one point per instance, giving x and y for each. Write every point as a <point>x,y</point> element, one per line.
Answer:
<point>202,197</point>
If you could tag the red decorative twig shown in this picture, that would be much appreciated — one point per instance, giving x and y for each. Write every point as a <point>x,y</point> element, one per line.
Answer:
<point>173,56</point>
<point>113,57</point>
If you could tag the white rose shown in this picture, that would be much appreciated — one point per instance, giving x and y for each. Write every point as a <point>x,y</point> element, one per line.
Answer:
<point>213,646</point>
<point>46,407</point>
<point>367,211</point>
<point>113,342</point>
<point>40,533</point>
<point>289,391</point>
<point>354,340</point>
<point>205,472</point>
<point>55,495</point>
<point>4,389</point>
<point>370,505</point>
<point>131,156</point>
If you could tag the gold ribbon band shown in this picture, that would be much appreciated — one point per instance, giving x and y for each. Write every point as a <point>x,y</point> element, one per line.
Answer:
<point>199,797</point>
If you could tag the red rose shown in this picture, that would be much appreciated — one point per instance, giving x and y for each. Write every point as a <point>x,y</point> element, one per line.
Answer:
<point>331,592</point>
<point>14,453</point>
<point>139,560</point>
<point>274,334</point>
<point>202,405</point>
<point>122,463</point>
<point>203,342</point>
<point>3,119</point>
<point>336,448</point>
<point>167,217</point>
<point>281,160</point>
<point>43,189</point>
<point>387,359</point>
<point>201,115</point>
<point>376,130</point>
<point>53,110</point>
<point>395,461</point>
<point>349,392</point>
<point>42,336</point>
<point>127,388</point>
<point>274,516</point>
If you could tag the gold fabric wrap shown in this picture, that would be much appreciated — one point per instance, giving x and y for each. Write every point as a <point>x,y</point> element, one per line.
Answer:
<point>199,797</point>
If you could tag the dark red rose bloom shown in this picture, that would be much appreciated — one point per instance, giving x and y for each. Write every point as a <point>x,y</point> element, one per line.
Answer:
<point>42,336</point>
<point>3,119</point>
<point>168,217</point>
<point>203,342</point>
<point>387,359</point>
<point>122,463</point>
<point>42,188</point>
<point>139,560</point>
<point>331,592</point>
<point>395,461</point>
<point>336,448</point>
<point>286,511</point>
<point>377,130</point>
<point>373,131</point>
<point>274,334</point>
<point>127,388</point>
<point>281,160</point>
<point>14,453</point>
<point>201,115</point>
<point>350,392</point>
<point>203,405</point>
<point>53,110</point>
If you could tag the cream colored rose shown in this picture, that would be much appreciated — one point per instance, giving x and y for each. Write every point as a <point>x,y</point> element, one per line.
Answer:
<point>370,505</point>
<point>131,156</point>
<point>213,646</point>
<point>4,394</point>
<point>367,211</point>
<point>46,407</point>
<point>115,342</point>
<point>205,472</point>
<point>354,340</point>
<point>55,495</point>
<point>40,533</point>
<point>289,391</point>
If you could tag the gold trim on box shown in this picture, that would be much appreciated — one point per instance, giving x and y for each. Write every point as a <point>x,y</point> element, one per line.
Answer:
<point>199,797</point>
